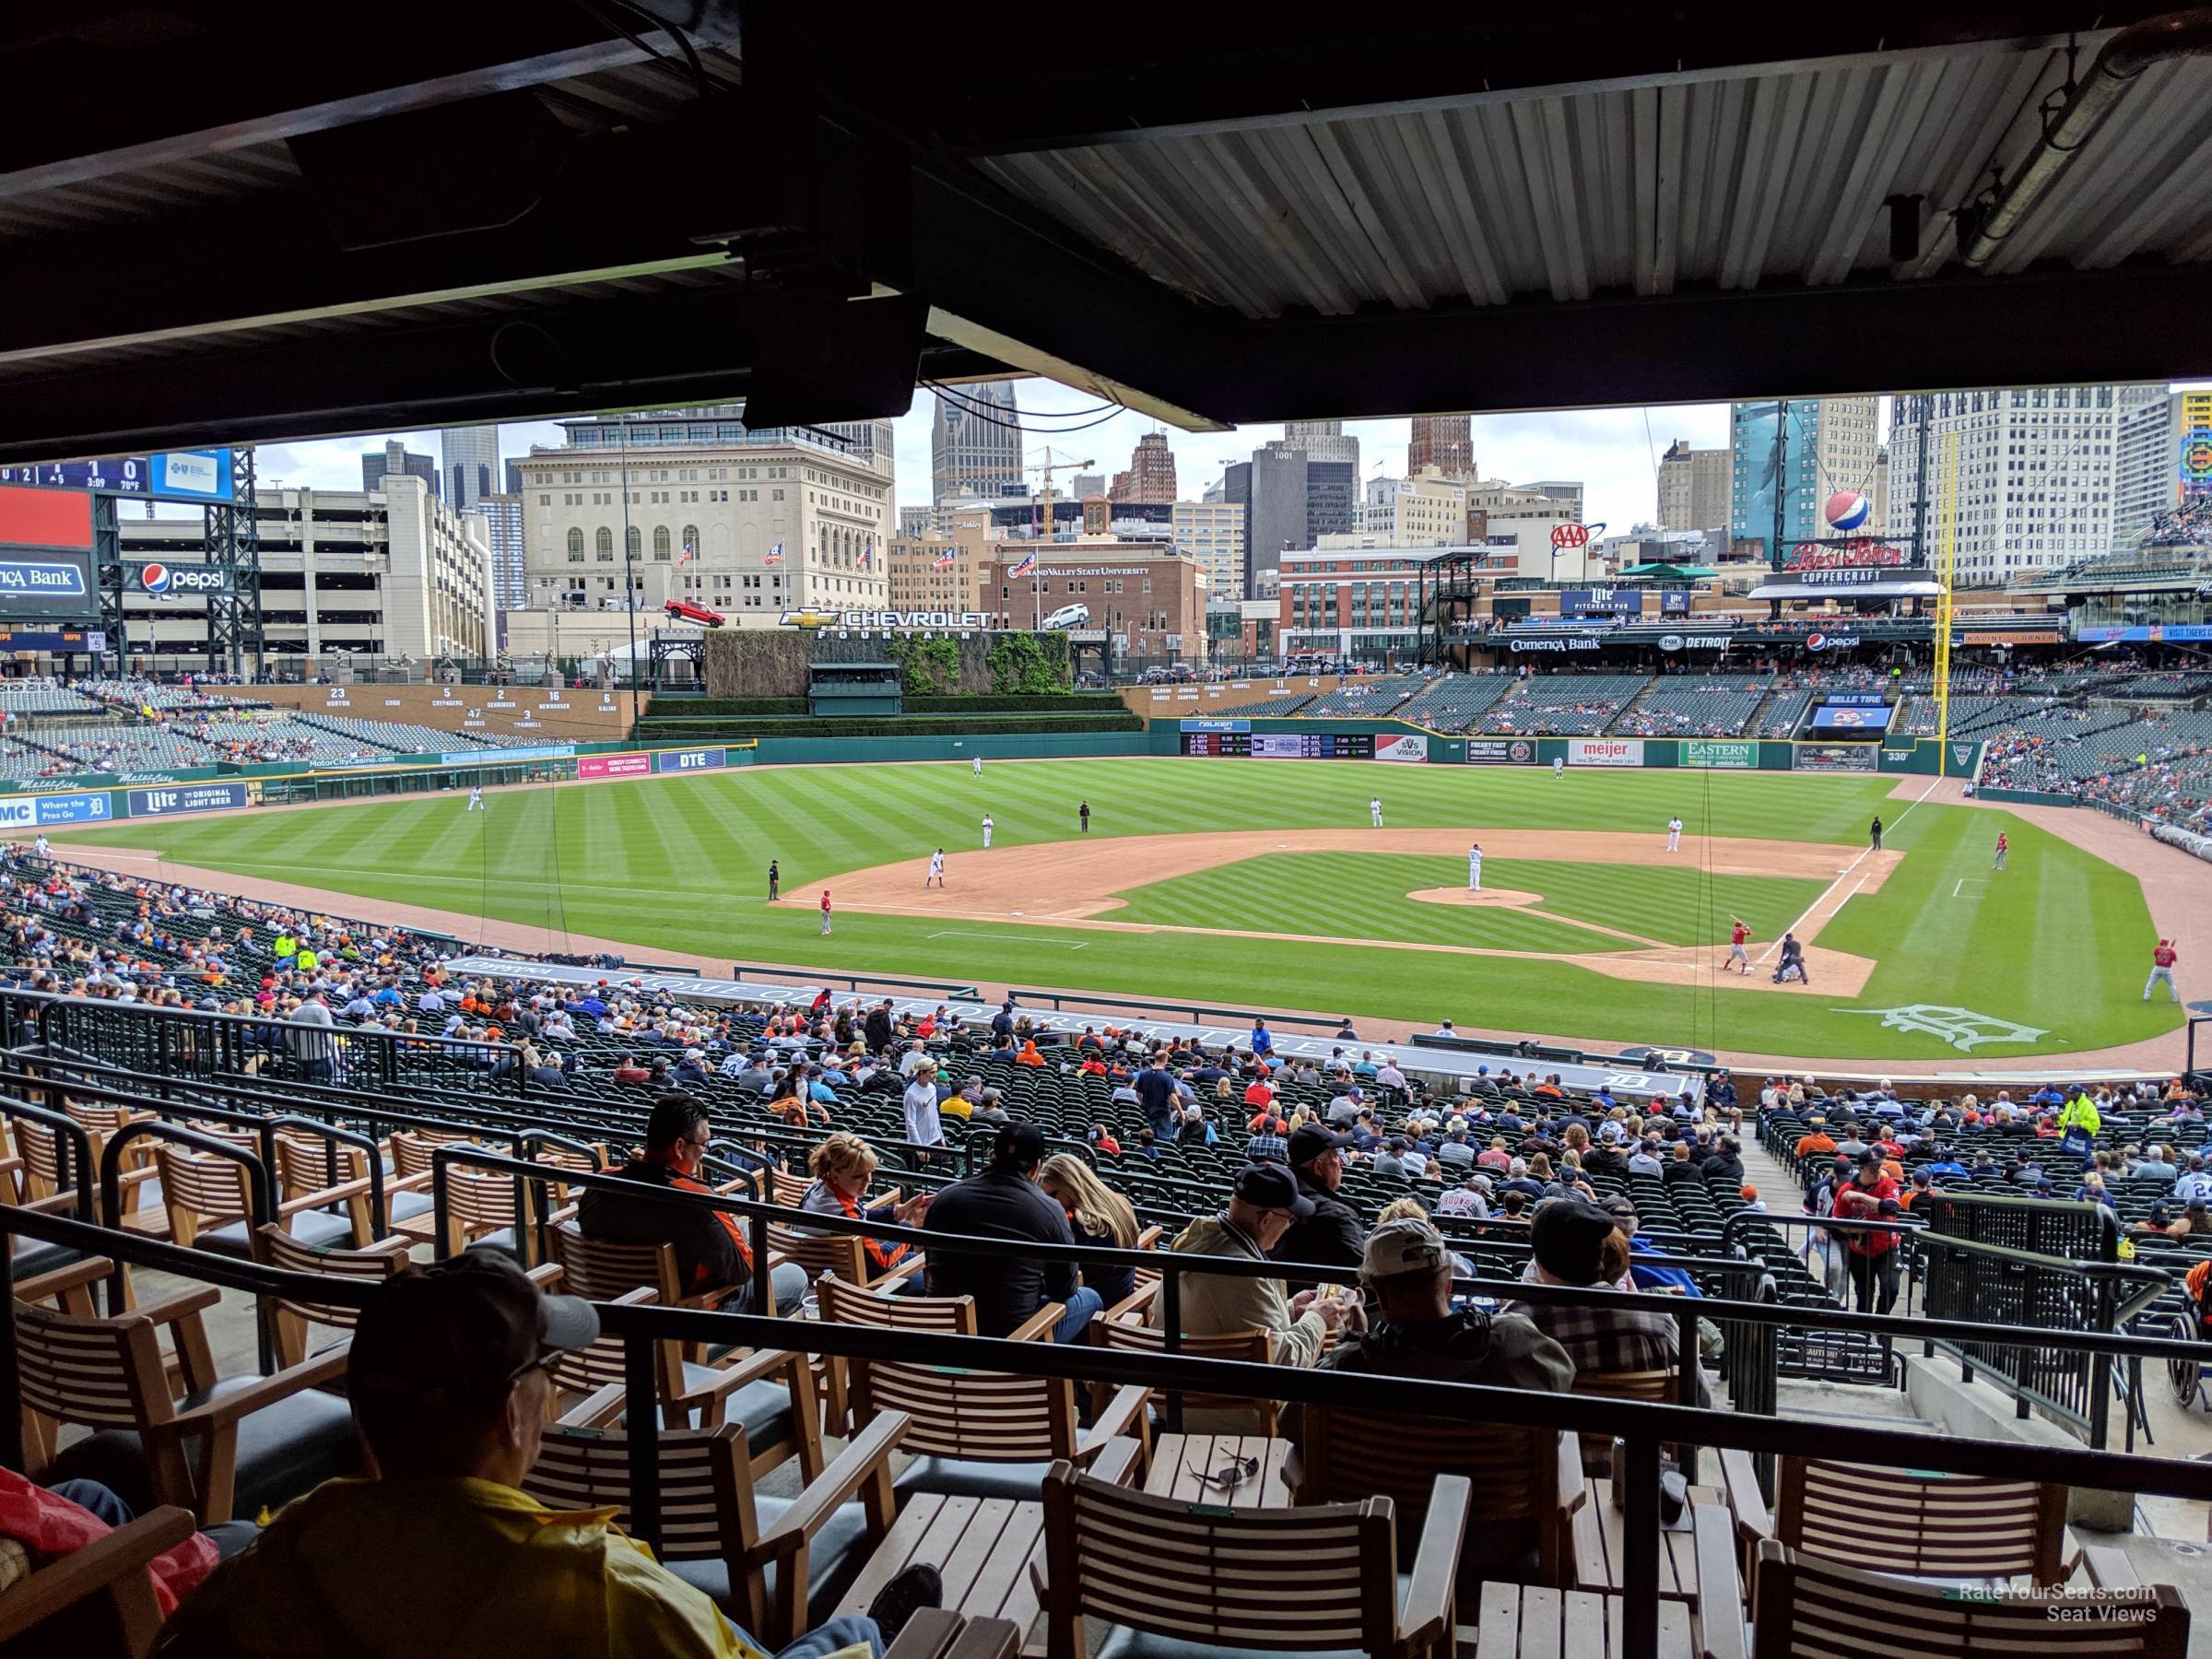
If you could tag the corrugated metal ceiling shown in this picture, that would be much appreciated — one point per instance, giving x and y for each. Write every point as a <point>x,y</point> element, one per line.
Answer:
<point>1725,181</point>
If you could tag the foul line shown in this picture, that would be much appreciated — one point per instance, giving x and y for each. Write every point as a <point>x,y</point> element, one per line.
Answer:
<point>1001,939</point>
<point>1832,886</point>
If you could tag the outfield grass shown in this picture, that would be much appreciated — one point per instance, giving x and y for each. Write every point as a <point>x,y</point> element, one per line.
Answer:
<point>680,865</point>
<point>1363,896</point>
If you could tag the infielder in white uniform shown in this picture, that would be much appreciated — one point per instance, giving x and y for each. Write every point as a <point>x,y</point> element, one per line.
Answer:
<point>476,800</point>
<point>986,832</point>
<point>1374,812</point>
<point>1475,868</point>
<point>1559,766</point>
<point>937,869</point>
<point>1674,835</point>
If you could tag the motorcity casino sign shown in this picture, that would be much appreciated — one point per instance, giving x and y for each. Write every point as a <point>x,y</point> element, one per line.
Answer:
<point>1858,562</point>
<point>879,621</point>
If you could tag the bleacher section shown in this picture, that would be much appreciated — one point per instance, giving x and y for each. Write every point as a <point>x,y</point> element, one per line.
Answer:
<point>1272,708</point>
<point>1567,705</point>
<point>1457,703</point>
<point>1782,714</point>
<point>1370,698</point>
<point>26,697</point>
<point>1694,706</point>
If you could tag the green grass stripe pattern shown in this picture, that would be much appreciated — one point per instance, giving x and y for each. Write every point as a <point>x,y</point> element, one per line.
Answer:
<point>2058,942</point>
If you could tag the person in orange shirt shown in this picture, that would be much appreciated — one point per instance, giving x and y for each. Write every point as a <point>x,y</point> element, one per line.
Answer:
<point>1819,1143</point>
<point>1924,1186</point>
<point>1028,1056</point>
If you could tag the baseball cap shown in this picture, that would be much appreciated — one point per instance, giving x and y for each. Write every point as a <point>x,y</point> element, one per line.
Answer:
<point>1567,1236</point>
<point>1616,1204</point>
<point>1270,1186</point>
<point>460,1329</point>
<point>1018,1144</point>
<point>1404,1246</point>
<point>1309,1141</point>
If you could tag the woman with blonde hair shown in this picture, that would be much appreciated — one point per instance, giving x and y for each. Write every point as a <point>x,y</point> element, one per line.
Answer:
<point>844,1167</point>
<point>1095,1215</point>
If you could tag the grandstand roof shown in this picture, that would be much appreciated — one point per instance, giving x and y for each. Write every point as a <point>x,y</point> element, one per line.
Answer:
<point>1593,202</point>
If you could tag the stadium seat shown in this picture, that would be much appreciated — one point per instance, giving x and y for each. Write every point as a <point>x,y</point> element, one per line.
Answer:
<point>290,1317</point>
<point>217,1447</point>
<point>109,1573</point>
<point>1181,1581</point>
<point>771,1563</point>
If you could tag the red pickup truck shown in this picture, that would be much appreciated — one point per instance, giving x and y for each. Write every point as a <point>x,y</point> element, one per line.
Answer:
<point>685,611</point>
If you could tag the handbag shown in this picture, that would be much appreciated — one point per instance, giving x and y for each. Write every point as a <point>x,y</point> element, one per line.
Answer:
<point>2074,1142</point>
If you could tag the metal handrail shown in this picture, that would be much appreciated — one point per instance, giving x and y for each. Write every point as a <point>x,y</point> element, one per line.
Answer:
<point>1641,1425</point>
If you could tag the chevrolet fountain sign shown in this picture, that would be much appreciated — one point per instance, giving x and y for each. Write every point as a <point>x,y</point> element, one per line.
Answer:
<point>885,621</point>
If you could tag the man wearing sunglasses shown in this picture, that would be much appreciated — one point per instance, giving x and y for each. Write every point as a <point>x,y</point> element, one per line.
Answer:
<point>1262,1205</point>
<point>441,1551</point>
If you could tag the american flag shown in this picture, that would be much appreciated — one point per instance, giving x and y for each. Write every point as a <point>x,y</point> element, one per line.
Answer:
<point>867,556</point>
<point>774,555</point>
<point>943,561</point>
<point>687,555</point>
<point>1026,564</point>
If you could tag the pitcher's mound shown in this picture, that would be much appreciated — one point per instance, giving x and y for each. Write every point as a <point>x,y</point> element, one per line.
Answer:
<point>1504,897</point>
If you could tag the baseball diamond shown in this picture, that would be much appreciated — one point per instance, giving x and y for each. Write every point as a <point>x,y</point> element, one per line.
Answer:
<point>1193,883</point>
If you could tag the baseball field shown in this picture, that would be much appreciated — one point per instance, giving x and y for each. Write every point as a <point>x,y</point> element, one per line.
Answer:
<point>1251,883</point>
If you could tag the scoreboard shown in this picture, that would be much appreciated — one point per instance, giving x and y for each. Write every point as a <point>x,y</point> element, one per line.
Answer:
<point>1283,745</point>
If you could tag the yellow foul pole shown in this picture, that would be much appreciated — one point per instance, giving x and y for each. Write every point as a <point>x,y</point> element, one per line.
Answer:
<point>1947,566</point>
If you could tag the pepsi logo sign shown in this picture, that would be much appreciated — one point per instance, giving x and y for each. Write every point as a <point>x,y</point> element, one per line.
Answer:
<point>162,580</point>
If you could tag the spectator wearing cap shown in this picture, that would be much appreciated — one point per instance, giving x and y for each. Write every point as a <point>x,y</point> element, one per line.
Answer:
<point>1645,1160</point>
<point>1391,1159</point>
<point>1577,1243</point>
<point>1156,1096</point>
<point>1265,1205</point>
<point>1871,1253</point>
<point>441,1551</point>
<point>1726,1162</point>
<point>1003,1201</point>
<point>1332,1236</point>
<point>2194,1186</point>
<point>1471,1197</point>
<point>924,1125</point>
<point>1405,1271</point>
<point>690,1071</point>
<point>714,1256</point>
<point>1346,1107</point>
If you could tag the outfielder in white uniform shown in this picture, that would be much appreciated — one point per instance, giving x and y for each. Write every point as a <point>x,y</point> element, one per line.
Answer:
<point>979,766</point>
<point>1674,835</point>
<point>476,800</point>
<point>1374,812</point>
<point>986,832</point>
<point>937,869</point>
<point>1559,766</point>
<point>1475,868</point>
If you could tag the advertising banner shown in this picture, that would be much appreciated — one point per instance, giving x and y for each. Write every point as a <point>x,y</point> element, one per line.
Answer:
<point>1501,751</point>
<point>1402,745</point>
<point>614,766</point>
<point>504,757</point>
<point>1217,726</point>
<point>188,798</point>
<point>92,808</point>
<point>1831,717</point>
<point>681,761</point>
<point>1527,643</point>
<point>1601,602</point>
<point>1855,700</point>
<point>1719,756</point>
<point>1835,757</point>
<point>1605,751</point>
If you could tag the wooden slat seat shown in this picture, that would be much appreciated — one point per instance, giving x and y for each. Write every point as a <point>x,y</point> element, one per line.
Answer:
<point>1657,1385</point>
<point>772,1394</point>
<point>1807,1606</point>
<point>291,1316</point>
<point>208,1201</point>
<point>111,1569</point>
<point>203,1441</point>
<point>1528,1481</point>
<point>1129,1334</point>
<point>974,1434</point>
<point>1958,1529</point>
<point>765,1560</point>
<point>1320,1579</point>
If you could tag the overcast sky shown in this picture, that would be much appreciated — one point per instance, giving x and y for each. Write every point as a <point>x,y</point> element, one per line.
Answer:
<point>1614,452</point>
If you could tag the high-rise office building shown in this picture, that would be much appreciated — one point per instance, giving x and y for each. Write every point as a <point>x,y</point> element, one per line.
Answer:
<point>1831,444</point>
<point>974,443</point>
<point>1213,533</point>
<point>1323,441</point>
<point>1151,474</point>
<point>513,480</point>
<point>510,564</point>
<point>2021,479</point>
<point>396,458</point>
<point>1693,487</point>
<point>472,464</point>
<point>2161,451</point>
<point>1085,485</point>
<point>1442,443</point>
<point>1270,486</point>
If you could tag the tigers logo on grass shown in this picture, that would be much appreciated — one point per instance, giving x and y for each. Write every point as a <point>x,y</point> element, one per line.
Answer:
<point>1961,1028</point>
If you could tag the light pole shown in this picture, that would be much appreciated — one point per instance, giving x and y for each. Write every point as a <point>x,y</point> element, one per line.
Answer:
<point>630,576</point>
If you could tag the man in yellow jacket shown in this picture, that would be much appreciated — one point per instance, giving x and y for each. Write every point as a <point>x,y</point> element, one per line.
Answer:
<point>441,1552</point>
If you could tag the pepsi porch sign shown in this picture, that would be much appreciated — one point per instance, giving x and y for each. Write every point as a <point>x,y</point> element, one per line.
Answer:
<point>160,579</point>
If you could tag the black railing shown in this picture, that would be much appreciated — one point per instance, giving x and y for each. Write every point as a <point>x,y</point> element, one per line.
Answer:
<point>181,1042</point>
<point>951,990</point>
<point>1642,1427</point>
